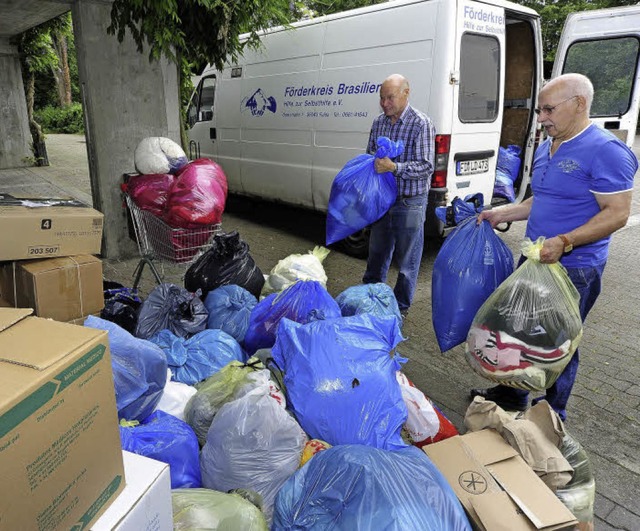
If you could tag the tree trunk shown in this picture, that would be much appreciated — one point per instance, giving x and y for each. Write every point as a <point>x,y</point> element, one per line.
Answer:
<point>61,72</point>
<point>38,146</point>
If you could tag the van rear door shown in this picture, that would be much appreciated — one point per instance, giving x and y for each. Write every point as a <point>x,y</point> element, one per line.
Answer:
<point>478,89</point>
<point>604,45</point>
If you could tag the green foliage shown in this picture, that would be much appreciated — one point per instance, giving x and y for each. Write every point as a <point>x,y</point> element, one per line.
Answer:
<point>328,7</point>
<point>554,12</point>
<point>201,31</point>
<point>61,119</point>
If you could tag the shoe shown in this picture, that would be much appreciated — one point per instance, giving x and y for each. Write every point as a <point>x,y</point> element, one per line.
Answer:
<point>404,313</point>
<point>503,398</point>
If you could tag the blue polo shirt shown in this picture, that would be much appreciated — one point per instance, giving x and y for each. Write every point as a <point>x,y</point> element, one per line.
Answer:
<point>563,186</point>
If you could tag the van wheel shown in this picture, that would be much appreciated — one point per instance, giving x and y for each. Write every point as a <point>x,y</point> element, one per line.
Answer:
<point>356,245</point>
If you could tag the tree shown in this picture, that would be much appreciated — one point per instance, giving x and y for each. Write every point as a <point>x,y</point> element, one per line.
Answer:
<point>327,7</point>
<point>554,12</point>
<point>36,56</point>
<point>61,32</point>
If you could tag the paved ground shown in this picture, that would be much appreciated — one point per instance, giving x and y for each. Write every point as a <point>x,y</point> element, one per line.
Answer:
<point>604,408</point>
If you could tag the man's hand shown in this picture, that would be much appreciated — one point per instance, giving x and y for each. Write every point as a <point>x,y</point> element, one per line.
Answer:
<point>384,165</point>
<point>552,250</point>
<point>494,217</point>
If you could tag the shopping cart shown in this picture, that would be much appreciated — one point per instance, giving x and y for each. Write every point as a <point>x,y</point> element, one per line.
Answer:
<point>159,241</point>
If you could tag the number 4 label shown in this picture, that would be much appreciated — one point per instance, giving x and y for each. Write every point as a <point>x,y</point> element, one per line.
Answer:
<point>45,224</point>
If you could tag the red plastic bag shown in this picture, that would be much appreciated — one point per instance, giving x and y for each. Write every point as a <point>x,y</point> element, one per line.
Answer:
<point>426,424</point>
<point>197,196</point>
<point>150,191</point>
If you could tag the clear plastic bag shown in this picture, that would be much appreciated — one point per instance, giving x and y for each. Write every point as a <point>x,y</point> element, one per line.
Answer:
<point>253,443</point>
<point>297,267</point>
<point>525,333</point>
<point>199,509</point>
<point>579,494</point>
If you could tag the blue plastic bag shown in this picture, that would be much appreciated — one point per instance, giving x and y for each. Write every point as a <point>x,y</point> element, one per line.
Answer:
<point>472,262</point>
<point>229,310</point>
<point>341,381</point>
<point>359,196</point>
<point>303,302</point>
<point>139,370</point>
<point>170,440</point>
<point>507,172</point>
<point>195,359</point>
<point>377,299</point>
<point>359,487</point>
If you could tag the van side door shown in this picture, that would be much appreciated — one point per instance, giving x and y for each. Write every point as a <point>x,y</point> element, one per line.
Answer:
<point>604,45</point>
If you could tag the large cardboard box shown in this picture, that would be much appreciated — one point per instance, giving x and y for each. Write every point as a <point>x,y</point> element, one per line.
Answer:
<point>60,453</point>
<point>58,288</point>
<point>496,486</point>
<point>43,231</point>
<point>145,503</point>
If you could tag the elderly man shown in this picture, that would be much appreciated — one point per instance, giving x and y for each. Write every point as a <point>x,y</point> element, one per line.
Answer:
<point>399,233</point>
<point>582,184</point>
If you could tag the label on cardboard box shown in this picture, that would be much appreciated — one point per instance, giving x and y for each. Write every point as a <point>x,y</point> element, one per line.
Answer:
<point>60,451</point>
<point>52,230</point>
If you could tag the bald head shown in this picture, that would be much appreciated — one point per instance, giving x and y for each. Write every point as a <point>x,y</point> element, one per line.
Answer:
<point>568,85</point>
<point>394,96</point>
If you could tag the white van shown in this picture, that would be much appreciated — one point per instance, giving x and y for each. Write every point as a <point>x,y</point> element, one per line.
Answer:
<point>604,45</point>
<point>284,119</point>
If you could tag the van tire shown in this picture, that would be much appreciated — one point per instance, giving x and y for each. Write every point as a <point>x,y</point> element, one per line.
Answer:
<point>356,245</point>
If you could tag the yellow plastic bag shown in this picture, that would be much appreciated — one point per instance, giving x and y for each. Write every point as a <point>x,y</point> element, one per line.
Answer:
<point>525,333</point>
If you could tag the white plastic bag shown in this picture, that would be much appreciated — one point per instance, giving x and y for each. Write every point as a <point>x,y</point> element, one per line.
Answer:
<point>297,267</point>
<point>422,420</point>
<point>175,397</point>
<point>157,154</point>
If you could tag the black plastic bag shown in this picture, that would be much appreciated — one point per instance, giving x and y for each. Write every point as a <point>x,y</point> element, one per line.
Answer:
<point>170,307</point>
<point>227,262</point>
<point>121,305</point>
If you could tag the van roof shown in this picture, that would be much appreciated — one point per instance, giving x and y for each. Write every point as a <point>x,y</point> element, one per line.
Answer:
<point>510,6</point>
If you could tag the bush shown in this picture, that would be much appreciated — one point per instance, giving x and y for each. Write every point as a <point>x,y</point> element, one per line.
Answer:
<point>61,119</point>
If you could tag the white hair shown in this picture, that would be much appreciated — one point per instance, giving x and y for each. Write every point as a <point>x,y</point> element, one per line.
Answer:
<point>578,85</point>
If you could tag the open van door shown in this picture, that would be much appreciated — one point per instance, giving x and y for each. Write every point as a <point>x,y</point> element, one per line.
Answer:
<point>604,45</point>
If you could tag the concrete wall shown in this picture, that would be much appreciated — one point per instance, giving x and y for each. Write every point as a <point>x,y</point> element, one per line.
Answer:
<point>15,148</point>
<point>125,99</point>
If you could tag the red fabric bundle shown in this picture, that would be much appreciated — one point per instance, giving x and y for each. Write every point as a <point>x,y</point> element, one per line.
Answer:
<point>150,191</point>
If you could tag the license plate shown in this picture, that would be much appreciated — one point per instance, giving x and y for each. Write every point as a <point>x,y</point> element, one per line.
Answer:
<point>469,167</point>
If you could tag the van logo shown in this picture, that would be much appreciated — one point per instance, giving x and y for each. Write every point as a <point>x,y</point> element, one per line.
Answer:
<point>258,103</point>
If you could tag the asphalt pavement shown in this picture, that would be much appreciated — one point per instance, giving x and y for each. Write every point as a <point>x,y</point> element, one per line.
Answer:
<point>604,410</point>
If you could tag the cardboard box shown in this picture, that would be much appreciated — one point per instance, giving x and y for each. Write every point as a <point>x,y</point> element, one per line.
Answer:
<point>57,288</point>
<point>41,232</point>
<point>145,503</point>
<point>497,488</point>
<point>60,452</point>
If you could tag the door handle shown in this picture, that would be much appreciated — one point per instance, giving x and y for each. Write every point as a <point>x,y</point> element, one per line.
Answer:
<point>212,133</point>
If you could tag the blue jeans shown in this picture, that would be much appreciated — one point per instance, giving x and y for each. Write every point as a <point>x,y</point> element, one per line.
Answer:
<point>398,234</point>
<point>588,282</point>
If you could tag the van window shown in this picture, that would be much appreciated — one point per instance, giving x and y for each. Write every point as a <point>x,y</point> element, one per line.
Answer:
<point>201,105</point>
<point>610,64</point>
<point>479,78</point>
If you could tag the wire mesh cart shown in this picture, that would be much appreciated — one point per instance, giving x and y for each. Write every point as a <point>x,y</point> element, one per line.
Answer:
<point>159,241</point>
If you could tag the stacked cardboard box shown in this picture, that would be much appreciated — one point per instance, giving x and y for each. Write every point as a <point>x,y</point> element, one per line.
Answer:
<point>60,451</point>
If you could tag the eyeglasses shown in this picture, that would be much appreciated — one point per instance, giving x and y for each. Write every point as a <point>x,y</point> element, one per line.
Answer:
<point>549,110</point>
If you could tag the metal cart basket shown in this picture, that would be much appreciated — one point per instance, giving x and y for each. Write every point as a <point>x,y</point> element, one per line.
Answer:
<point>159,241</point>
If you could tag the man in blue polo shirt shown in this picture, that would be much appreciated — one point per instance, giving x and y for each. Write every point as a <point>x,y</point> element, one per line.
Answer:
<point>399,233</point>
<point>582,184</point>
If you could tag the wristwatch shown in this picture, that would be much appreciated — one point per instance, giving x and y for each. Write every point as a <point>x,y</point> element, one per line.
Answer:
<point>568,246</point>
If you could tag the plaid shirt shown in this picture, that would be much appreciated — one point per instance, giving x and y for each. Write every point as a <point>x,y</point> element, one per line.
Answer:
<point>415,164</point>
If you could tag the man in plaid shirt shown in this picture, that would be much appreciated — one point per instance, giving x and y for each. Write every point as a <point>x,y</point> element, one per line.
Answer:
<point>399,233</point>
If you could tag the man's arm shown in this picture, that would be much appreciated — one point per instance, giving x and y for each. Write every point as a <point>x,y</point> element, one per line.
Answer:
<point>518,212</point>
<point>613,215</point>
<point>420,165</point>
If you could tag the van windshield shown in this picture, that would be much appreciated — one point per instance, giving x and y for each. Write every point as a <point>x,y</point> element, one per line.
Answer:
<point>610,64</point>
<point>479,78</point>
